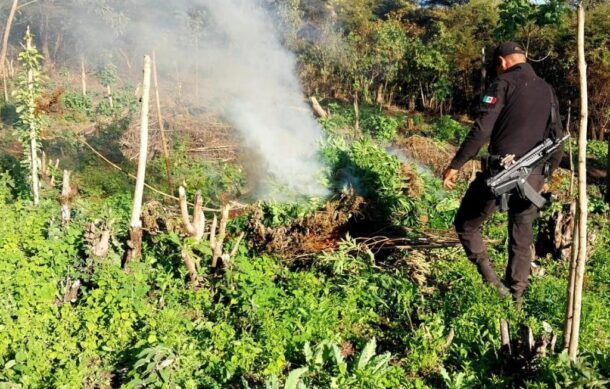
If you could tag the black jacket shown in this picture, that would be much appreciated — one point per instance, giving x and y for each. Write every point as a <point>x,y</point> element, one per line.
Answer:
<point>514,116</point>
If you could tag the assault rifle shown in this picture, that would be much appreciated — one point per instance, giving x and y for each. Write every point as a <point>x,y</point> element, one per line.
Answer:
<point>515,174</point>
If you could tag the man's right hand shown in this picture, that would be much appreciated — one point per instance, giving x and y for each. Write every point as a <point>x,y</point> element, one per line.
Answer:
<point>449,177</point>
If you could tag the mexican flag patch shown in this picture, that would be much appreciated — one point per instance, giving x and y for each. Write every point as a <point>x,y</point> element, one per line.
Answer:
<point>489,100</point>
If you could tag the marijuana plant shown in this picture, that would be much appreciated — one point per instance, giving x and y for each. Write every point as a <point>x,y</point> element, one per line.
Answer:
<point>28,93</point>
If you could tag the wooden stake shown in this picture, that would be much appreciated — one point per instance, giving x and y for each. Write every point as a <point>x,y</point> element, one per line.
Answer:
<point>83,76</point>
<point>570,149</point>
<point>109,91</point>
<point>505,336</point>
<point>162,126</point>
<point>5,87</point>
<point>33,132</point>
<point>135,226</point>
<point>66,194</point>
<point>582,188</point>
<point>567,329</point>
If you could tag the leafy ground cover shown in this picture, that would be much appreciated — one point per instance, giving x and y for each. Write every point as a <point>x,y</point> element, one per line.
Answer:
<point>349,317</point>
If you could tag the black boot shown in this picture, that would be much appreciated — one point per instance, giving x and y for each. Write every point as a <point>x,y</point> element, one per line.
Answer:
<point>490,277</point>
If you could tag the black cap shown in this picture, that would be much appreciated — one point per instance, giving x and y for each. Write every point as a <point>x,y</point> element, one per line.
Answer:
<point>508,48</point>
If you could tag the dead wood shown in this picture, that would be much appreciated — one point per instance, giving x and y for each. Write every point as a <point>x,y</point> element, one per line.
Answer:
<point>317,108</point>
<point>218,240</point>
<point>310,234</point>
<point>66,198</point>
<point>134,245</point>
<point>71,288</point>
<point>522,354</point>
<point>97,236</point>
<point>555,236</point>
<point>196,228</point>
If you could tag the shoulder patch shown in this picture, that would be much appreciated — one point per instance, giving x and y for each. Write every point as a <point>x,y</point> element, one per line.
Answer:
<point>489,100</point>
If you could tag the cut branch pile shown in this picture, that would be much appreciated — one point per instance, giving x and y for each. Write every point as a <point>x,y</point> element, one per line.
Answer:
<point>206,135</point>
<point>310,234</point>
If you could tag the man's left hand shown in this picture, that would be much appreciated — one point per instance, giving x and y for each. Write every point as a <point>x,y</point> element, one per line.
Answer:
<point>449,177</point>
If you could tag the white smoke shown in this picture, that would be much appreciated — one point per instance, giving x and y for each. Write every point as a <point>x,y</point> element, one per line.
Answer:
<point>254,79</point>
<point>233,52</point>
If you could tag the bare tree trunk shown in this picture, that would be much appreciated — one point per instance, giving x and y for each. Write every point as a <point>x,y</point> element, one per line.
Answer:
<point>83,76</point>
<point>7,33</point>
<point>135,226</point>
<point>582,189</point>
<point>162,126</point>
<point>357,112</point>
<point>379,99</point>
<point>44,36</point>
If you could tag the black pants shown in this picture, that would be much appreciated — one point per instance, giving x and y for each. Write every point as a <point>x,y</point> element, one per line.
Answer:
<point>477,206</point>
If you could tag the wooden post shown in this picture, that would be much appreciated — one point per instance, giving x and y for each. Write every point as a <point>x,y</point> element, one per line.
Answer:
<point>109,92</point>
<point>505,337</point>
<point>7,33</point>
<point>33,132</point>
<point>83,76</point>
<point>356,113</point>
<point>570,149</point>
<point>66,194</point>
<point>135,226</point>
<point>162,126</point>
<point>567,329</point>
<point>5,87</point>
<point>582,189</point>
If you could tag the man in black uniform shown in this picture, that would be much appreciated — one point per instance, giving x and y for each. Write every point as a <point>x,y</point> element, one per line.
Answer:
<point>518,111</point>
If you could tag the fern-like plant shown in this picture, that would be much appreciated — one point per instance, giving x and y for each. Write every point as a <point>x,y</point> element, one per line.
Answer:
<point>28,92</point>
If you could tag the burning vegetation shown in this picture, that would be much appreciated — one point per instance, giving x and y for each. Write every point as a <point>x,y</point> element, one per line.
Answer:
<point>266,247</point>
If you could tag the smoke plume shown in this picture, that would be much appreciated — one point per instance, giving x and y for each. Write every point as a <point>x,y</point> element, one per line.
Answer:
<point>242,70</point>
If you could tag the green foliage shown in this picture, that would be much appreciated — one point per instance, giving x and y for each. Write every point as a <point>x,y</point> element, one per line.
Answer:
<point>449,130</point>
<point>327,367</point>
<point>380,126</point>
<point>107,75</point>
<point>374,174</point>
<point>80,107</point>
<point>123,101</point>
<point>8,114</point>
<point>598,150</point>
<point>521,14</point>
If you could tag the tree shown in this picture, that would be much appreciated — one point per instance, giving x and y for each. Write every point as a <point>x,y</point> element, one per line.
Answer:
<point>28,92</point>
<point>5,37</point>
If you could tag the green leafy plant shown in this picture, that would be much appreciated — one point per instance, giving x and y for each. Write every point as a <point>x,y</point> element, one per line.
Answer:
<point>381,127</point>
<point>28,92</point>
